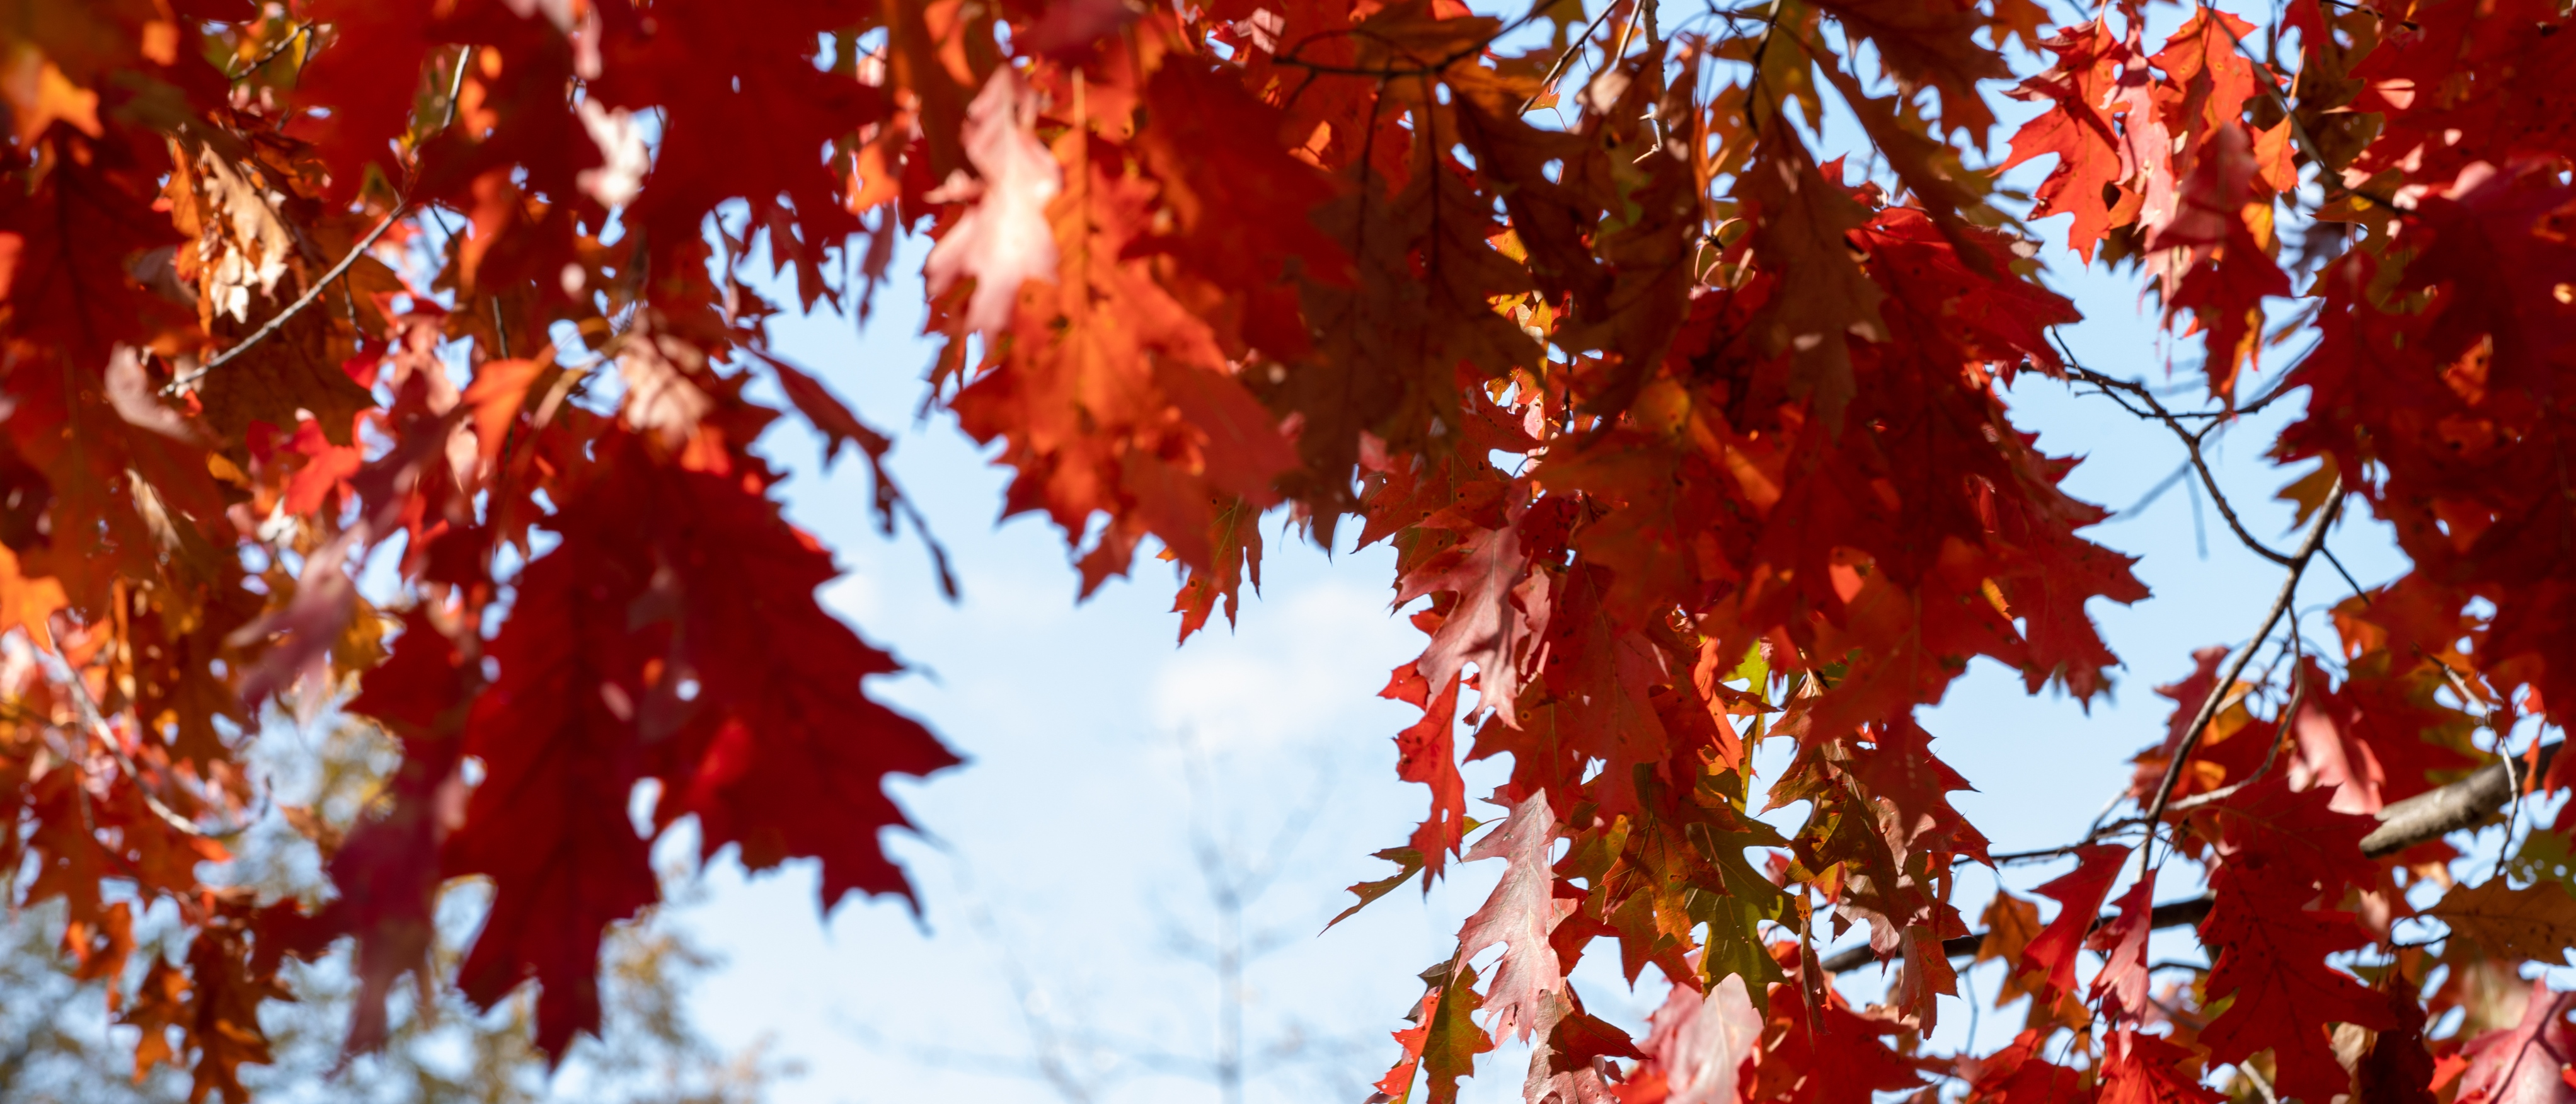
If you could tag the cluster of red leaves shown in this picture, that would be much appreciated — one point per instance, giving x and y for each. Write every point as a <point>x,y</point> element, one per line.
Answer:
<point>1682,438</point>
<point>185,182</point>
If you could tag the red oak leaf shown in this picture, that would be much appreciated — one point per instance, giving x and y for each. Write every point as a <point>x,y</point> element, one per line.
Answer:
<point>387,872</point>
<point>1443,1042</point>
<point>2271,959</point>
<point>1426,753</point>
<point>628,654</point>
<point>2397,1069</point>
<point>1697,1047</point>
<point>2121,986</point>
<point>2282,850</point>
<point>1521,912</point>
<point>2079,895</point>
<point>1005,239</point>
<point>2524,1064</point>
<point>2018,1074</point>
<point>2146,1069</point>
<point>2080,129</point>
<point>367,82</point>
<point>548,822</point>
<point>1486,626</point>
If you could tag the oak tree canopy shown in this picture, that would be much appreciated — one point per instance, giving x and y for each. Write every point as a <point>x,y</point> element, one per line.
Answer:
<point>1690,437</point>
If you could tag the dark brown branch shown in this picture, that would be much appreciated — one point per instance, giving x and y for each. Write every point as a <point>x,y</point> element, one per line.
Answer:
<point>1421,67</point>
<point>402,206</point>
<point>2114,828</point>
<point>2289,716</point>
<point>94,725</point>
<point>2191,442</point>
<point>1572,47</point>
<point>2299,561</point>
<point>2171,914</point>
<point>2419,819</point>
<point>283,45</point>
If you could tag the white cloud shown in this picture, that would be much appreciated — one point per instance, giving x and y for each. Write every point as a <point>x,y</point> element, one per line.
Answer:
<point>1302,661</point>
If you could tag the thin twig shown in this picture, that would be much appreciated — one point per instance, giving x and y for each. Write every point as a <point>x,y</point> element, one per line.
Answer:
<point>2402,824</point>
<point>1420,69</point>
<point>2316,538</point>
<point>402,207</point>
<point>2191,442</point>
<point>94,724</point>
<point>2103,827</point>
<point>2357,589</point>
<point>2171,914</point>
<point>185,379</point>
<point>2280,735</point>
<point>2260,1085</point>
<point>288,43</point>
<point>1627,33</point>
<point>2513,794</point>
<point>1566,56</point>
<point>2514,785</point>
<point>455,87</point>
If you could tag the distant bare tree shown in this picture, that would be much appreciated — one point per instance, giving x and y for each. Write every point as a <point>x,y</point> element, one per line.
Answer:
<point>58,1044</point>
<point>1076,1058</point>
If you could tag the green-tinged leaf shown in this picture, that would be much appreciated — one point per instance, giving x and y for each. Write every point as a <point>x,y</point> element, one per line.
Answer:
<point>1450,1051</point>
<point>1443,1041</point>
<point>1735,944</point>
<point>2545,857</point>
<point>1406,858</point>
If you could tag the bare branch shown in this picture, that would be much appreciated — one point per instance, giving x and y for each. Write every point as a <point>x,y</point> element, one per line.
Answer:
<point>307,299</point>
<point>2289,716</point>
<point>2422,818</point>
<point>1573,46</point>
<point>402,207</point>
<point>2437,813</point>
<point>2316,539</point>
<point>2171,914</point>
<point>95,725</point>
<point>2191,442</point>
<point>283,45</point>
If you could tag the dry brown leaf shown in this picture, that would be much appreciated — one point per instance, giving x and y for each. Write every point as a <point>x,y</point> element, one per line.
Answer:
<point>2538,922</point>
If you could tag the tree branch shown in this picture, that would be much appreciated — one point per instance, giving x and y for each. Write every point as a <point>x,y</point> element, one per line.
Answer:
<point>94,725</point>
<point>283,45</point>
<point>2191,442</point>
<point>2422,818</point>
<point>2437,813</point>
<point>402,206</point>
<point>307,299</point>
<point>1572,47</point>
<point>2307,552</point>
<point>2171,914</point>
